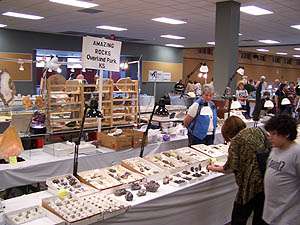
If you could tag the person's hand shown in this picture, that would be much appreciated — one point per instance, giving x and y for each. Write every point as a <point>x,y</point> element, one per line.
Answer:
<point>215,168</point>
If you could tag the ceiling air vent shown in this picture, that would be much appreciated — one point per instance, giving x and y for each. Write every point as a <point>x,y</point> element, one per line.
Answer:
<point>248,40</point>
<point>90,11</point>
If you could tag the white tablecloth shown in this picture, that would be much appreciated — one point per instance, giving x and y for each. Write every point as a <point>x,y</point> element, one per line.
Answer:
<point>40,165</point>
<point>207,202</point>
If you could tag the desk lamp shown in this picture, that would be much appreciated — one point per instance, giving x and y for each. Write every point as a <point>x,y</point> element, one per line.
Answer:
<point>92,113</point>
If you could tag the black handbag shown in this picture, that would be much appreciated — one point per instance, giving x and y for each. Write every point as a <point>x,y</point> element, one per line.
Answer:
<point>263,154</point>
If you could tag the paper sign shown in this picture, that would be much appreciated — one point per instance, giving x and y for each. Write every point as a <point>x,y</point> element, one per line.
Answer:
<point>13,160</point>
<point>62,193</point>
<point>101,54</point>
<point>166,76</point>
<point>157,75</point>
<point>154,75</point>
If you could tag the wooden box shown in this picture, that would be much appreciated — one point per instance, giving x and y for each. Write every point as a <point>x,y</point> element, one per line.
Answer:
<point>137,137</point>
<point>114,142</point>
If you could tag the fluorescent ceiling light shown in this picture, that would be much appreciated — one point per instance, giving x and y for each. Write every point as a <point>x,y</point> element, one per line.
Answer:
<point>254,10</point>
<point>281,53</point>
<point>76,3</point>
<point>22,15</point>
<point>174,45</point>
<point>262,50</point>
<point>2,25</point>
<point>296,26</point>
<point>269,41</point>
<point>172,37</point>
<point>168,20</point>
<point>105,27</point>
<point>211,43</point>
<point>297,49</point>
<point>296,56</point>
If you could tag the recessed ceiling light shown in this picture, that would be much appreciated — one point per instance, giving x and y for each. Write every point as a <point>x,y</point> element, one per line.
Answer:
<point>254,10</point>
<point>281,53</point>
<point>2,25</point>
<point>262,50</point>
<point>211,43</point>
<point>76,3</point>
<point>269,41</point>
<point>240,34</point>
<point>296,26</point>
<point>105,27</point>
<point>296,56</point>
<point>297,49</point>
<point>22,15</point>
<point>174,45</point>
<point>168,20</point>
<point>172,37</point>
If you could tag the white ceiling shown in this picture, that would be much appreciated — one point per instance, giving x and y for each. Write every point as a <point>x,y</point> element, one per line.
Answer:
<point>136,15</point>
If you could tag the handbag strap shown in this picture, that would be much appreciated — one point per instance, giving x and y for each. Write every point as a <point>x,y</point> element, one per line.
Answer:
<point>265,138</point>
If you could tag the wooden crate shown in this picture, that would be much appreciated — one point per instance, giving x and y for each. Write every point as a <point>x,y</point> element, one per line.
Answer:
<point>137,137</point>
<point>129,139</point>
<point>115,142</point>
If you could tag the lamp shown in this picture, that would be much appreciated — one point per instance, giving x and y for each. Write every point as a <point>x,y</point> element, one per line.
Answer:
<point>72,70</point>
<point>124,65</point>
<point>21,68</point>
<point>241,70</point>
<point>285,101</point>
<point>188,76</point>
<point>52,64</point>
<point>83,70</point>
<point>93,112</point>
<point>206,110</point>
<point>161,110</point>
<point>227,92</point>
<point>235,105</point>
<point>269,104</point>
<point>203,68</point>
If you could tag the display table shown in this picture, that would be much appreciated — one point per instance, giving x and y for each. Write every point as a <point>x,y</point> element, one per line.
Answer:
<point>208,201</point>
<point>41,165</point>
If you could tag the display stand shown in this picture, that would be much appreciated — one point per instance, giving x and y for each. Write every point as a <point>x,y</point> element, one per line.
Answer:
<point>123,109</point>
<point>65,104</point>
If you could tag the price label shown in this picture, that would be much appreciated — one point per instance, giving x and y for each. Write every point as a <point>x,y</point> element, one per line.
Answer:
<point>13,160</point>
<point>62,193</point>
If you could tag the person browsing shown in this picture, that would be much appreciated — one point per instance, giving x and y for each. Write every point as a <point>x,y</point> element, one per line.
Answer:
<point>202,126</point>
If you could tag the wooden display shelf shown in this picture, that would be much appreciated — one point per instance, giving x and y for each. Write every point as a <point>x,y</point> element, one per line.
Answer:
<point>65,112</point>
<point>124,99</point>
<point>57,85</point>
<point>67,103</point>
<point>65,92</point>
<point>129,92</point>
<point>64,120</point>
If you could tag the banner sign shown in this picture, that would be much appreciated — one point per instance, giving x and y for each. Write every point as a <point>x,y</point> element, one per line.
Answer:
<point>101,54</point>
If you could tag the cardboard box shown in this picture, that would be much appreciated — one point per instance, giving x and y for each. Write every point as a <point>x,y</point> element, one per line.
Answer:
<point>117,143</point>
<point>128,139</point>
<point>137,137</point>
